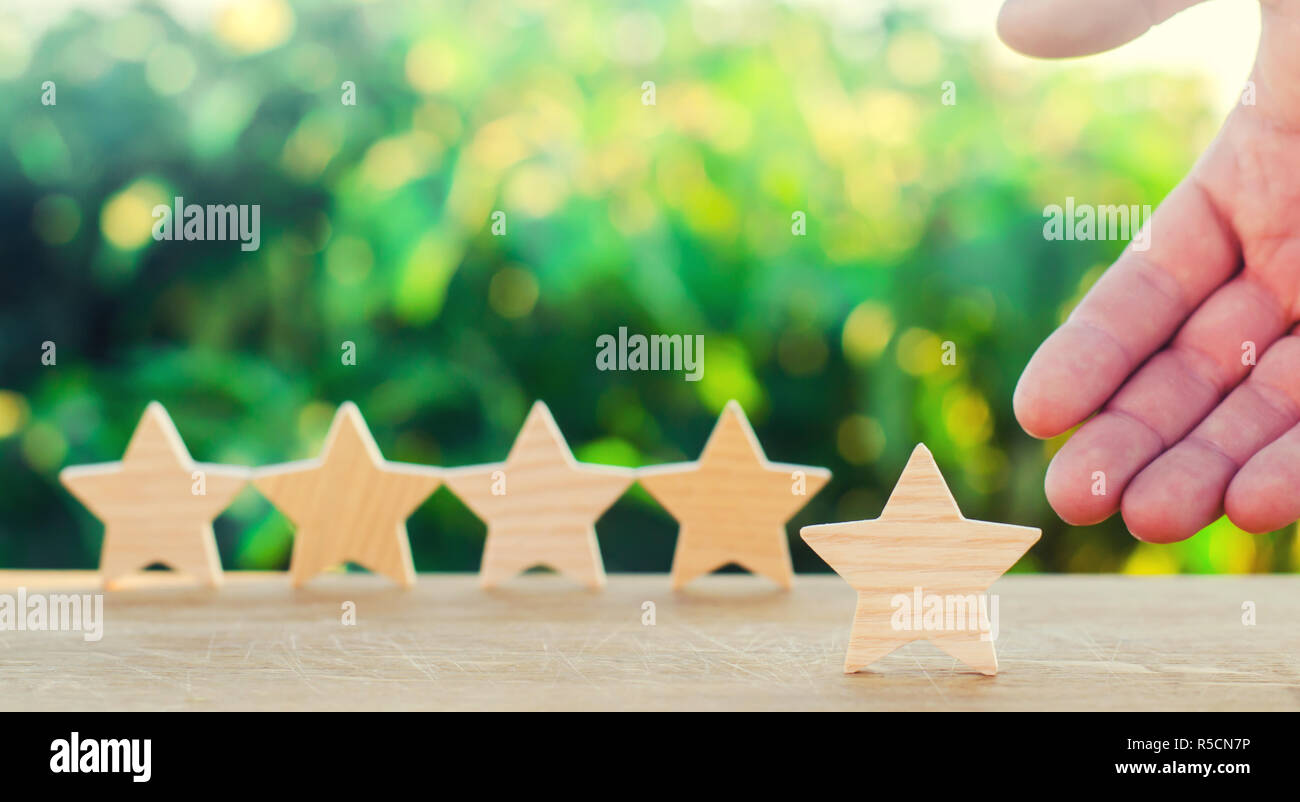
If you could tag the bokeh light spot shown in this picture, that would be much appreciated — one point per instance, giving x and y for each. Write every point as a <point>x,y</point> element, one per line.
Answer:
<point>431,66</point>
<point>170,69</point>
<point>348,260</point>
<point>13,412</point>
<point>127,218</point>
<point>253,26</point>
<point>919,352</point>
<point>801,352</point>
<point>914,57</point>
<point>859,439</point>
<point>536,190</point>
<point>512,292</point>
<point>867,331</point>
<point>966,416</point>
<point>44,447</point>
<point>727,376</point>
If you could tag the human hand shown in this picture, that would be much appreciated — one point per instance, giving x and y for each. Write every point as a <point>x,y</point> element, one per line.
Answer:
<point>1185,428</point>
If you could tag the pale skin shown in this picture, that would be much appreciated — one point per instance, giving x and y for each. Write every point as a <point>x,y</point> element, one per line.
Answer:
<point>1151,361</point>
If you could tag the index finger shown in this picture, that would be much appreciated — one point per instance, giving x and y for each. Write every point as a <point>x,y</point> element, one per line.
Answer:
<point>1067,28</point>
<point>1135,308</point>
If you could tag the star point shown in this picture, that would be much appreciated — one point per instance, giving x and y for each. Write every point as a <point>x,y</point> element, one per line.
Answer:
<point>921,493</point>
<point>921,547</point>
<point>540,505</point>
<point>732,503</point>
<point>157,503</point>
<point>349,504</point>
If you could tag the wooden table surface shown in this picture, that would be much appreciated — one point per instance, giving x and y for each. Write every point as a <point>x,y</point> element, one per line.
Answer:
<point>727,642</point>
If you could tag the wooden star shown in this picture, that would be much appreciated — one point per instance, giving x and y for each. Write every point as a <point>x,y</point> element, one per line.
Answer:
<point>157,504</point>
<point>540,505</point>
<point>922,549</point>
<point>350,504</point>
<point>732,503</point>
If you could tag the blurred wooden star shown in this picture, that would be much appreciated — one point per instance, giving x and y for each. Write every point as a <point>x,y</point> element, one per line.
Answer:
<point>540,505</point>
<point>922,552</point>
<point>350,504</point>
<point>157,504</point>
<point>732,503</point>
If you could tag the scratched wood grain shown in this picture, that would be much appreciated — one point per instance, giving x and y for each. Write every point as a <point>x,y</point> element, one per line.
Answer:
<point>727,642</point>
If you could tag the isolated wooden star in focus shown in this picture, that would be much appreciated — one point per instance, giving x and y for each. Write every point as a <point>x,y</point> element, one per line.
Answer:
<point>540,505</point>
<point>350,504</point>
<point>920,549</point>
<point>157,504</point>
<point>732,503</point>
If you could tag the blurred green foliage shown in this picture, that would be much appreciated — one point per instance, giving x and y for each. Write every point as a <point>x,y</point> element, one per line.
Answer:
<point>924,225</point>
